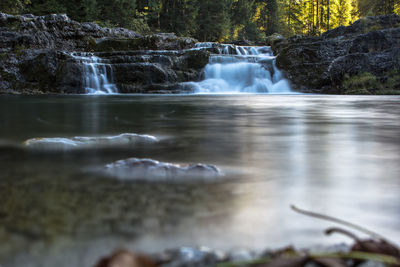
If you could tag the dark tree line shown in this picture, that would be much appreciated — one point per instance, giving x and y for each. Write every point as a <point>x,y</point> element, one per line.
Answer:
<point>212,20</point>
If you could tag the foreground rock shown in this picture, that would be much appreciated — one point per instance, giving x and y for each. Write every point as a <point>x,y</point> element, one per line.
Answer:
<point>152,170</point>
<point>36,56</point>
<point>363,58</point>
<point>335,256</point>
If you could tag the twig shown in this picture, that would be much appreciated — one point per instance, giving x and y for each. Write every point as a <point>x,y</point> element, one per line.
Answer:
<point>340,221</point>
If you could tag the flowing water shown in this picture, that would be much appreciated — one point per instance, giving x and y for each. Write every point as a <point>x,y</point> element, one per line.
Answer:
<point>337,155</point>
<point>231,69</point>
<point>241,69</point>
<point>97,75</point>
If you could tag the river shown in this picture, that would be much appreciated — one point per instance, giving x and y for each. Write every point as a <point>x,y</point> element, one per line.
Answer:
<point>338,155</point>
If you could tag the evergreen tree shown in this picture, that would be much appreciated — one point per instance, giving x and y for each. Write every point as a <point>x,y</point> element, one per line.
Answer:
<point>244,20</point>
<point>91,10</point>
<point>373,8</point>
<point>43,7</point>
<point>179,16</point>
<point>292,17</point>
<point>118,12</point>
<point>342,12</point>
<point>272,17</point>
<point>214,20</point>
<point>150,10</point>
<point>13,6</point>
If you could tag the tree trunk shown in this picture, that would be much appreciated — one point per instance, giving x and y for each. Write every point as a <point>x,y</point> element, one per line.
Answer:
<point>289,11</point>
<point>317,14</point>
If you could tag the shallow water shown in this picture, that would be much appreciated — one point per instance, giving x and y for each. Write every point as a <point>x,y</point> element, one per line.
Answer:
<point>337,155</point>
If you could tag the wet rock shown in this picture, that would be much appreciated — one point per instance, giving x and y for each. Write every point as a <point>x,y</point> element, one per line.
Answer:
<point>80,142</point>
<point>155,71</point>
<point>31,70</point>
<point>149,169</point>
<point>322,64</point>
<point>55,31</point>
<point>35,55</point>
<point>197,257</point>
<point>274,40</point>
<point>124,258</point>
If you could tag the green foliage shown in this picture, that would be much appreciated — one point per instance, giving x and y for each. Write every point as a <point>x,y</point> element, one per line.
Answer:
<point>139,24</point>
<point>118,12</point>
<point>215,21</point>
<point>212,20</point>
<point>374,8</point>
<point>392,83</point>
<point>13,6</point>
<point>91,9</point>
<point>361,84</point>
<point>179,16</point>
<point>43,7</point>
<point>272,17</point>
<point>367,83</point>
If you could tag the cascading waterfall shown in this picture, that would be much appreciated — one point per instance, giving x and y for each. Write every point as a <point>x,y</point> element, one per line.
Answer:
<point>97,76</point>
<point>240,69</point>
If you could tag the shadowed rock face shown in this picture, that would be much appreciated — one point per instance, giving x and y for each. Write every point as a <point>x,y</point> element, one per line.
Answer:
<point>325,64</point>
<point>152,170</point>
<point>35,56</point>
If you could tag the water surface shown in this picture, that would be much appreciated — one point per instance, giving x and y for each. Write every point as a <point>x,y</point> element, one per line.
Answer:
<point>337,155</point>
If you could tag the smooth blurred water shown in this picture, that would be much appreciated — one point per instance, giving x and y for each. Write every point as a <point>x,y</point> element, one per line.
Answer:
<point>337,155</point>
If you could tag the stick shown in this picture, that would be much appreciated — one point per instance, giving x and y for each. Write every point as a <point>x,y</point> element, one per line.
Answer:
<point>336,220</point>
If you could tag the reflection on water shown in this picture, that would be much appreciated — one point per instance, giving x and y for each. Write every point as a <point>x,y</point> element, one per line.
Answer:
<point>333,154</point>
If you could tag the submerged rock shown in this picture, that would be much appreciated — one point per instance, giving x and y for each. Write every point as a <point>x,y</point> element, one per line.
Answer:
<point>323,64</point>
<point>78,142</point>
<point>149,169</point>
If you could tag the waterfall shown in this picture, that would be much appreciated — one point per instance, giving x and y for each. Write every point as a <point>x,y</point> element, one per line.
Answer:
<point>97,76</point>
<point>240,69</point>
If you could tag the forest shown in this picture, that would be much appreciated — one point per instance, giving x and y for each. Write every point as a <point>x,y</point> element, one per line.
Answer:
<point>210,20</point>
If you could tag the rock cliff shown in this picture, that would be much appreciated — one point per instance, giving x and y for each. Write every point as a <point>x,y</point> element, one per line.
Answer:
<point>363,58</point>
<point>36,56</point>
